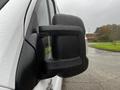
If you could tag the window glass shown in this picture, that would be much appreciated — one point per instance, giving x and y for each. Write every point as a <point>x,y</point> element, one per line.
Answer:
<point>42,13</point>
<point>52,12</point>
<point>43,20</point>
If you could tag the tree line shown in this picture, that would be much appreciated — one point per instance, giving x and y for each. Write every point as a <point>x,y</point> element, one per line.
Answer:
<point>108,33</point>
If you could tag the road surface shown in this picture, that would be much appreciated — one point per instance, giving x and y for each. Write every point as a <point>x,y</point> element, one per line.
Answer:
<point>103,73</point>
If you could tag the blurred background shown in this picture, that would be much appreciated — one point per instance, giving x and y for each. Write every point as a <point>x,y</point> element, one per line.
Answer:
<point>102,23</point>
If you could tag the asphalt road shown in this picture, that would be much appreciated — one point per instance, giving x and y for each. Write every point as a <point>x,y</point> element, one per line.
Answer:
<point>103,73</point>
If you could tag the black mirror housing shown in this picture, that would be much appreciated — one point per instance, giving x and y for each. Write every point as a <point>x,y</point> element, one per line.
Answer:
<point>63,19</point>
<point>68,48</point>
<point>69,54</point>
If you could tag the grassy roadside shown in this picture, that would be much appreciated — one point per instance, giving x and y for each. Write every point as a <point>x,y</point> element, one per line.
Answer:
<point>106,46</point>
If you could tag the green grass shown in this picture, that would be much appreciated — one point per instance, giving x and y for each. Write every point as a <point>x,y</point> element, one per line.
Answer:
<point>109,46</point>
<point>47,50</point>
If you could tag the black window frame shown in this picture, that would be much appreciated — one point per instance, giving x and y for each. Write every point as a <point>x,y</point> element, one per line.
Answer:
<point>3,3</point>
<point>49,12</point>
<point>54,5</point>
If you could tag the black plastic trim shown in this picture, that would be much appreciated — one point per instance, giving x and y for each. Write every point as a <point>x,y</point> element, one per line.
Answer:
<point>63,63</point>
<point>57,30</point>
<point>3,3</point>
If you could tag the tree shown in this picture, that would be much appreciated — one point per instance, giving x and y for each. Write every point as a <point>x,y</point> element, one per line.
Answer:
<point>103,33</point>
<point>115,34</point>
<point>108,33</point>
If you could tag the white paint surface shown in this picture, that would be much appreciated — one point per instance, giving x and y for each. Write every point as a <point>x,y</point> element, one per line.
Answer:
<point>11,39</point>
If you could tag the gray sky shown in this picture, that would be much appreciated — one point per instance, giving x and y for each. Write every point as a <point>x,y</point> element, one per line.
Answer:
<point>94,13</point>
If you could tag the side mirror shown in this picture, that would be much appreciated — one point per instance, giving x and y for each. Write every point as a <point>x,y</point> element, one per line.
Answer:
<point>68,48</point>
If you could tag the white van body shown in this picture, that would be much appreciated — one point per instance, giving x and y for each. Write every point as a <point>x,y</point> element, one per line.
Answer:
<point>12,33</point>
<point>15,20</point>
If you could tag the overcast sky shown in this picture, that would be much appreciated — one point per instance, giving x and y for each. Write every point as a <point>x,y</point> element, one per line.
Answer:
<point>94,13</point>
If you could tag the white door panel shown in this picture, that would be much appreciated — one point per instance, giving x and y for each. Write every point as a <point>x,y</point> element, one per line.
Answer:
<point>11,39</point>
<point>42,85</point>
<point>57,83</point>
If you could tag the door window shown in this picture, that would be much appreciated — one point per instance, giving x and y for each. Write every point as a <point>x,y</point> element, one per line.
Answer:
<point>42,13</point>
<point>52,10</point>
